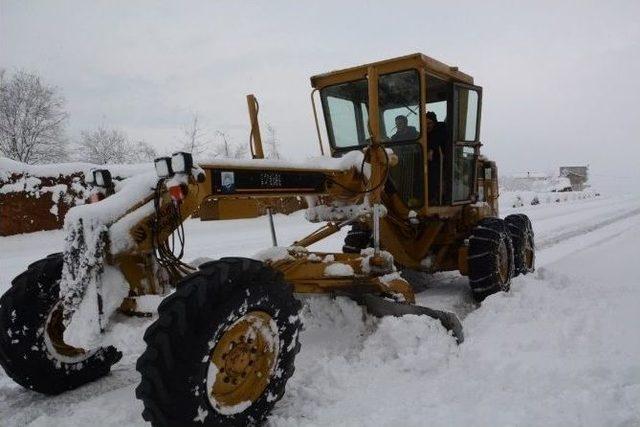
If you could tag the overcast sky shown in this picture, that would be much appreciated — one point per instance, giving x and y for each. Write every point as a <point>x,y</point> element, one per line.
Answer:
<point>561,79</point>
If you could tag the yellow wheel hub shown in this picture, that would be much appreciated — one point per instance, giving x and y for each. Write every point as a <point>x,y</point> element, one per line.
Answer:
<point>528,253</point>
<point>55,332</point>
<point>242,362</point>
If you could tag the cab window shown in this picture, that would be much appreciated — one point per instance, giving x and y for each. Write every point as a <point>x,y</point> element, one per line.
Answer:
<point>346,113</point>
<point>399,102</point>
<point>467,112</point>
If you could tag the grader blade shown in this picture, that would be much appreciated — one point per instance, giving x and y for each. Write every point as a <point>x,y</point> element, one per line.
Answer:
<point>380,307</point>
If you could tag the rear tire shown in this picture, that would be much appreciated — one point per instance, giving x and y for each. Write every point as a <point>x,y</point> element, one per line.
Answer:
<point>491,263</point>
<point>32,351</point>
<point>203,364</point>
<point>524,250</point>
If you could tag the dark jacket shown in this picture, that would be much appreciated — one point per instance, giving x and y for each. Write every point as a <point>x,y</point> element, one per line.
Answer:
<point>437,138</point>
<point>407,134</point>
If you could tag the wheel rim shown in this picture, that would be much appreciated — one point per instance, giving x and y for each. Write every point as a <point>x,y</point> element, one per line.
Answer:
<point>55,336</point>
<point>503,262</point>
<point>242,362</point>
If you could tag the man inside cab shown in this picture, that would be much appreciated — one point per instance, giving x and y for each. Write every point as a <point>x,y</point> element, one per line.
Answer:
<point>436,143</point>
<point>404,132</point>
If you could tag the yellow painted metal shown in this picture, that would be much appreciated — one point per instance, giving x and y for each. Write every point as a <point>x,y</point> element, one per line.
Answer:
<point>417,60</point>
<point>315,117</point>
<point>529,255</point>
<point>374,117</point>
<point>256,138</point>
<point>322,233</point>
<point>213,208</point>
<point>245,358</point>
<point>55,330</point>
<point>312,272</point>
<point>437,235</point>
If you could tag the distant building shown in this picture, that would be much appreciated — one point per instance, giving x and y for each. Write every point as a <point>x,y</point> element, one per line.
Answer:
<point>578,176</point>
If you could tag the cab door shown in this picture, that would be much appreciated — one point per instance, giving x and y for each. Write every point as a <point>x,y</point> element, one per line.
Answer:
<point>401,121</point>
<point>467,102</point>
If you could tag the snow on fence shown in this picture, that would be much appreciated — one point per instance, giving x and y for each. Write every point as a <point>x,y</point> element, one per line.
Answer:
<point>37,197</point>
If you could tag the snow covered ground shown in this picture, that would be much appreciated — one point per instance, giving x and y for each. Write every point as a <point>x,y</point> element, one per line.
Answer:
<point>562,348</point>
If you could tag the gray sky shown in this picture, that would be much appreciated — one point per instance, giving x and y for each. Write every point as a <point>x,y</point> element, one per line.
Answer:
<point>561,79</point>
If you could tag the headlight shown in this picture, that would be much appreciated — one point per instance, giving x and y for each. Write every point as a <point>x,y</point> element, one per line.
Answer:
<point>89,178</point>
<point>102,178</point>
<point>181,162</point>
<point>163,167</point>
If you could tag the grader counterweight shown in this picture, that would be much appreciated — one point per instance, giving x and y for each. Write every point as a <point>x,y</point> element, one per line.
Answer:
<point>405,175</point>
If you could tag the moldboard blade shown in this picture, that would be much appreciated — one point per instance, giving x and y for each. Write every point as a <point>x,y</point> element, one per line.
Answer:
<point>380,307</point>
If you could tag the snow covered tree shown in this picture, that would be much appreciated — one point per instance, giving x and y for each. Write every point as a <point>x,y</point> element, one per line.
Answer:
<point>144,151</point>
<point>194,140</point>
<point>226,149</point>
<point>240,151</point>
<point>32,119</point>
<point>272,143</point>
<point>222,148</point>
<point>104,146</point>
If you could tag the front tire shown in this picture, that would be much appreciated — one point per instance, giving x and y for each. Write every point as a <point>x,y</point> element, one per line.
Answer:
<point>491,263</point>
<point>222,348</point>
<point>32,350</point>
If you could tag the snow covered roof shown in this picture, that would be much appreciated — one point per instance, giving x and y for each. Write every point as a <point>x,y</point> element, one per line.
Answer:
<point>580,171</point>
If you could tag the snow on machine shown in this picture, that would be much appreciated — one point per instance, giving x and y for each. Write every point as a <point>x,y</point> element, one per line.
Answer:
<point>405,175</point>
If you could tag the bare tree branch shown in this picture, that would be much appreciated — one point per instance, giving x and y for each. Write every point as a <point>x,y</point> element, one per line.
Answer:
<point>227,149</point>
<point>272,143</point>
<point>194,139</point>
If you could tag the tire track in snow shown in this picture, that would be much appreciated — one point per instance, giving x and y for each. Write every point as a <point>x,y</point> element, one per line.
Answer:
<point>554,240</point>
<point>449,291</point>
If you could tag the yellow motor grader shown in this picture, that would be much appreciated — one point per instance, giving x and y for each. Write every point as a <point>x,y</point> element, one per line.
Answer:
<point>405,176</point>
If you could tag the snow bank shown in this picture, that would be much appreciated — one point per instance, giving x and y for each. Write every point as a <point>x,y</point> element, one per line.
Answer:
<point>561,349</point>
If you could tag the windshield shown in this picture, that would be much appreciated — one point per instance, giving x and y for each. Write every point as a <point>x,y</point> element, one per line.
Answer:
<point>346,109</point>
<point>346,112</point>
<point>399,100</point>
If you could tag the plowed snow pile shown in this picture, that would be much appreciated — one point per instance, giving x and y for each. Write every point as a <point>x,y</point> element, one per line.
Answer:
<point>562,348</point>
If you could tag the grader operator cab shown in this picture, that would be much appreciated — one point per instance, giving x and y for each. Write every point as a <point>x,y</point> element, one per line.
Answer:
<point>405,93</point>
<point>405,176</point>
